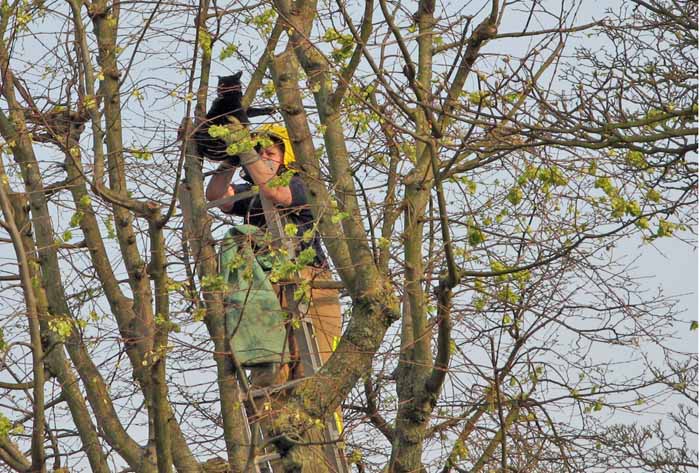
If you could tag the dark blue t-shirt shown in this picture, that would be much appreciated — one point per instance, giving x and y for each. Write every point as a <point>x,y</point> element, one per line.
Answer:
<point>298,213</point>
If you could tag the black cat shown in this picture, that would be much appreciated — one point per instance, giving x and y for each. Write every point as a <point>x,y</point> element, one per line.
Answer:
<point>229,94</point>
<point>228,103</point>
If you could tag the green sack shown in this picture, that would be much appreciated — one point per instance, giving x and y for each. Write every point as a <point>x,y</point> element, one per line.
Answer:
<point>255,321</point>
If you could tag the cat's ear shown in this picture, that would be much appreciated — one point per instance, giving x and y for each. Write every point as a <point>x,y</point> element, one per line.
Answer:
<point>233,80</point>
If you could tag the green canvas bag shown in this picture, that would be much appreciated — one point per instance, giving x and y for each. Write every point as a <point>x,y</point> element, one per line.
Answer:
<point>255,321</point>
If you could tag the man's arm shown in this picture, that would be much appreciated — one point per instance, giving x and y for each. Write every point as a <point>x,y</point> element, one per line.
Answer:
<point>220,185</point>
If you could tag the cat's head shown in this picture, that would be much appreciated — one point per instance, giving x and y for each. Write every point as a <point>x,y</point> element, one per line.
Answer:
<point>229,84</point>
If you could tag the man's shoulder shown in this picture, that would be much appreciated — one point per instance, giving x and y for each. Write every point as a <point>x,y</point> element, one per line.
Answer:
<point>299,191</point>
<point>297,181</point>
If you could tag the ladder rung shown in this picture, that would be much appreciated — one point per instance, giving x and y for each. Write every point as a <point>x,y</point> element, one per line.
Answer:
<point>317,283</point>
<point>264,392</point>
<point>267,457</point>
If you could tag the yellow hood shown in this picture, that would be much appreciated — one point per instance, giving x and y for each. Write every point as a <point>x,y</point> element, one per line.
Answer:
<point>278,131</point>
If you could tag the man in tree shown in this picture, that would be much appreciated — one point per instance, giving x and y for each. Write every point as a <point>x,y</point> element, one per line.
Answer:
<point>268,168</point>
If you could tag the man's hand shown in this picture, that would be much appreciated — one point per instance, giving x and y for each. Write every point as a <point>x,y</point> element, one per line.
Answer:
<point>247,158</point>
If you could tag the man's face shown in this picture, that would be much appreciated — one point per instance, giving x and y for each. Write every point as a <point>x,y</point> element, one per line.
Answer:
<point>272,154</point>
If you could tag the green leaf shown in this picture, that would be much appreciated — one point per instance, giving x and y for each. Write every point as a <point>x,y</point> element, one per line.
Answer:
<point>302,293</point>
<point>214,282</point>
<point>515,195</point>
<point>228,51</point>
<point>592,168</point>
<point>694,325</point>
<point>331,34</point>
<point>606,186</point>
<point>76,218</point>
<point>263,21</point>
<point>653,196</point>
<point>529,175</point>
<point>198,314</point>
<point>632,208</point>
<point>552,175</point>
<point>665,229</point>
<point>5,426</point>
<point>110,228</point>
<point>306,256</point>
<point>339,217</point>
<point>219,131</point>
<point>471,185</point>
<point>89,102</point>
<point>355,457</point>
<point>282,180</point>
<point>636,159</point>
<point>142,154</point>
<point>307,236</point>
<point>642,223</point>
<point>478,96</point>
<point>619,206</point>
<point>205,41</point>
<point>498,267</point>
<point>512,97</point>
<point>507,295</point>
<point>290,230</point>
<point>61,326</point>
<point>268,90</point>
<point>460,451</point>
<point>475,235</point>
